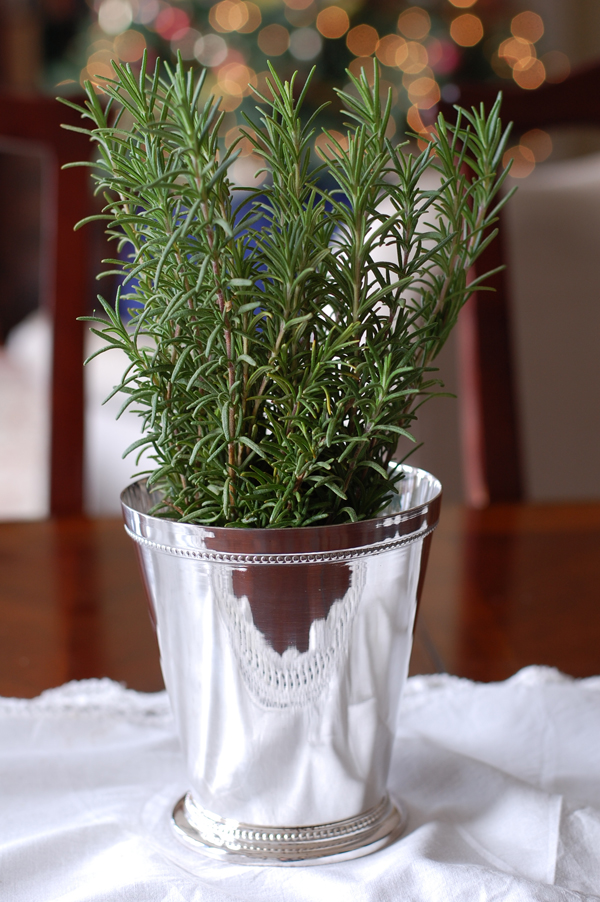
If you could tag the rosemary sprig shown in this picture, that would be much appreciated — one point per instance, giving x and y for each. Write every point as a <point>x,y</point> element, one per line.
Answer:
<point>276,365</point>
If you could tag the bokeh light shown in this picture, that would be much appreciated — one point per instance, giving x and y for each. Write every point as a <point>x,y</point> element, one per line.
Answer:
<point>101,44</point>
<point>364,64</point>
<point>247,170</point>
<point>412,58</point>
<point>171,23</point>
<point>531,77</point>
<point>305,43</point>
<point>418,44</point>
<point>362,40</point>
<point>146,11</point>
<point>518,53</point>
<point>100,63</point>
<point>233,84</point>
<point>254,18</point>
<point>98,67</point>
<point>298,4</point>
<point>424,92</point>
<point>244,146</point>
<point>220,18</point>
<point>114,16</point>
<point>523,161</point>
<point>235,15</point>
<point>425,132</point>
<point>235,79</point>
<point>210,50</point>
<point>414,23</point>
<point>413,119</point>
<point>466,30</point>
<point>333,22</point>
<point>527,25</point>
<point>428,133</point>
<point>300,18</point>
<point>443,55</point>
<point>450,92</point>
<point>325,144</point>
<point>129,46</point>
<point>388,47</point>
<point>557,66</point>
<point>274,40</point>
<point>186,44</point>
<point>538,142</point>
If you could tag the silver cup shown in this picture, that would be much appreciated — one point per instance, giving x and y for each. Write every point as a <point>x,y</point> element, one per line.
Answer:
<point>284,653</point>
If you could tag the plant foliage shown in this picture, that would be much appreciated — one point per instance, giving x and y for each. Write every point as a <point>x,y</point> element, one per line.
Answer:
<point>281,345</point>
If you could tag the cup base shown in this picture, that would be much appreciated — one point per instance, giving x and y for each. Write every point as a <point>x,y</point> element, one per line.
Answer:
<point>240,843</point>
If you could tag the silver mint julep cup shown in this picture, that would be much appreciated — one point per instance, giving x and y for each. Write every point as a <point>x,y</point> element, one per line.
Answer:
<point>284,653</point>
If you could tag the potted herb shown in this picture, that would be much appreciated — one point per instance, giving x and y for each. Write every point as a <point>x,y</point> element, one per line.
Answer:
<point>280,342</point>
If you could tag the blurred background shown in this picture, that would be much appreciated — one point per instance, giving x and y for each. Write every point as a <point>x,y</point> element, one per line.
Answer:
<point>427,50</point>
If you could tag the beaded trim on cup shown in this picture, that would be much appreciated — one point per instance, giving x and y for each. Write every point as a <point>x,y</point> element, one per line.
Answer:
<point>276,841</point>
<point>316,557</point>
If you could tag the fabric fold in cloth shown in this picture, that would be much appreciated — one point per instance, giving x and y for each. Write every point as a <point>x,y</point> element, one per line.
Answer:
<point>500,781</point>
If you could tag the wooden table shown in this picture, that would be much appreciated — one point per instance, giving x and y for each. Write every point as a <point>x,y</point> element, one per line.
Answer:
<point>508,586</point>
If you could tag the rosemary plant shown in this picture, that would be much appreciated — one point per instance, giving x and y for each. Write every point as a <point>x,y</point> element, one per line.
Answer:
<point>281,345</point>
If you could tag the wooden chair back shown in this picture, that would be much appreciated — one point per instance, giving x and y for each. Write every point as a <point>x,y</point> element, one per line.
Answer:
<point>34,124</point>
<point>492,460</point>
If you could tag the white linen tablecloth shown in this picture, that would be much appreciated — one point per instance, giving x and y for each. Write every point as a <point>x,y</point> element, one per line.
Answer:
<point>501,782</point>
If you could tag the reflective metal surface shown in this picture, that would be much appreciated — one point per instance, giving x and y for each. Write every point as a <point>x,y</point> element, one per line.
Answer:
<point>284,653</point>
<point>252,844</point>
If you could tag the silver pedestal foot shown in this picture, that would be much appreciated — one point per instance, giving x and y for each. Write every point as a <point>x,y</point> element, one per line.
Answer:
<point>239,843</point>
